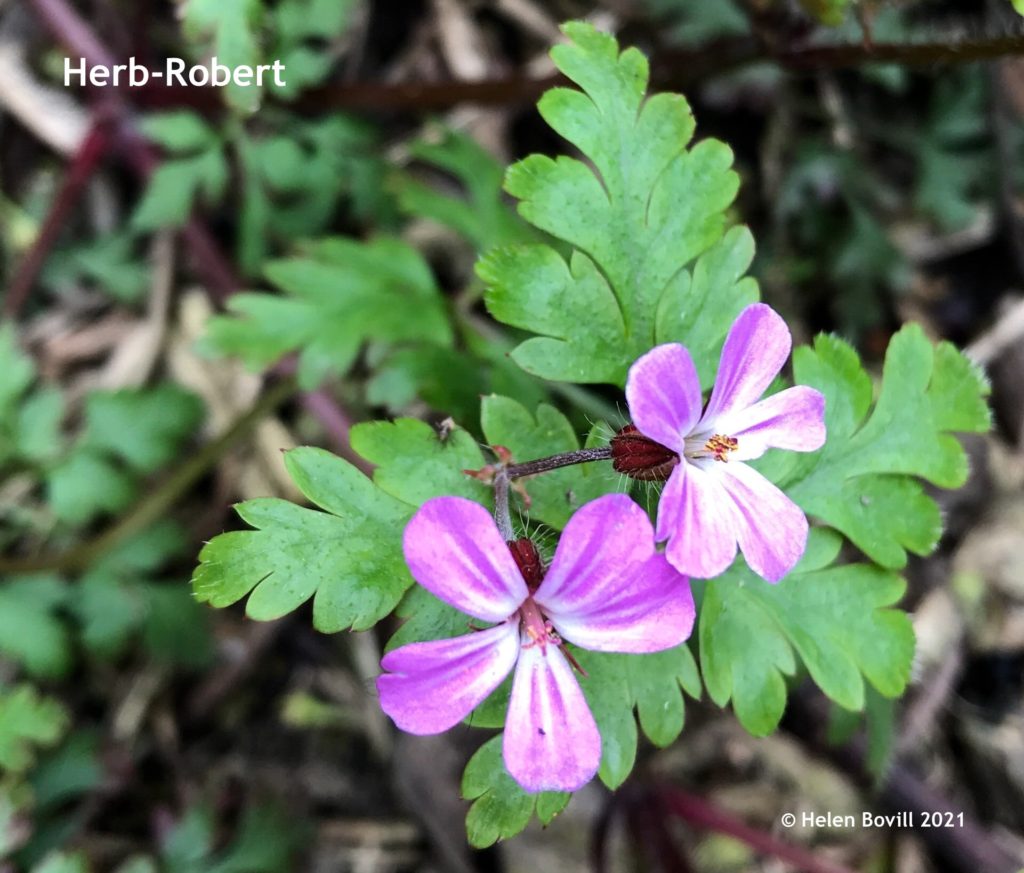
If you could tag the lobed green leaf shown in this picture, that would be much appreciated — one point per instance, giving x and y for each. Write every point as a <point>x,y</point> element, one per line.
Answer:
<point>348,557</point>
<point>863,482</point>
<point>337,296</point>
<point>646,209</point>
<point>837,618</point>
<point>500,808</point>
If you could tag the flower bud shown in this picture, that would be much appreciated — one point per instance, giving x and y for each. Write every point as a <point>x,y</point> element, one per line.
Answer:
<point>527,559</point>
<point>640,457</point>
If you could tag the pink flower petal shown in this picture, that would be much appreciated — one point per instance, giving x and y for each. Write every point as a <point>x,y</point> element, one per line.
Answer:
<point>551,741</point>
<point>771,528</point>
<point>430,687</point>
<point>755,350</point>
<point>606,589</point>
<point>663,393</point>
<point>697,517</point>
<point>793,419</point>
<point>454,550</point>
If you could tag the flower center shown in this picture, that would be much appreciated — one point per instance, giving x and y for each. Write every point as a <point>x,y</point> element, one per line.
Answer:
<point>717,446</point>
<point>536,626</point>
<point>720,445</point>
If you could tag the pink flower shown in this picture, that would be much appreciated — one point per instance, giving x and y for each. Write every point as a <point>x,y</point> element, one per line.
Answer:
<point>606,590</point>
<point>713,500</point>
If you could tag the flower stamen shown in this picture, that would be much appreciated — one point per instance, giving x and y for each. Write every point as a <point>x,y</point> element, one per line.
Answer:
<point>536,626</point>
<point>720,446</point>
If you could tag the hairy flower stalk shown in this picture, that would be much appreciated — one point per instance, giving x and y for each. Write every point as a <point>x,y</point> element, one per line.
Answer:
<point>713,501</point>
<point>606,590</point>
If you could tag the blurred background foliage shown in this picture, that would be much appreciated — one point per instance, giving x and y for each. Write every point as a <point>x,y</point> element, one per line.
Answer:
<point>196,280</point>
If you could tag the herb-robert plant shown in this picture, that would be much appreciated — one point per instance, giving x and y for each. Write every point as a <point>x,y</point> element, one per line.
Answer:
<point>608,587</point>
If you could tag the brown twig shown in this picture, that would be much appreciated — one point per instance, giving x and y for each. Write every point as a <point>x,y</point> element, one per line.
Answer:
<point>675,68</point>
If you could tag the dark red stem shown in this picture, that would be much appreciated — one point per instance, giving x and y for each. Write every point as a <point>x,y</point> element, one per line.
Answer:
<point>83,165</point>
<point>337,425</point>
<point>701,814</point>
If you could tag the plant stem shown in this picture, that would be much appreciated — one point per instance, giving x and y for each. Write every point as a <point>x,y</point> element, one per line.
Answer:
<point>702,814</point>
<point>553,462</point>
<point>158,502</point>
<point>83,165</point>
<point>669,69</point>
<point>502,515</point>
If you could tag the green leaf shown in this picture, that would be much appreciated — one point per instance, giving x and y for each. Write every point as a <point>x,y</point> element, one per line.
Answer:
<point>556,495</point>
<point>426,617</point>
<point>697,305</point>
<point>58,862</point>
<point>314,19</point>
<point>86,484</point>
<point>29,420</point>
<point>294,185</point>
<point>340,295</point>
<point>348,558</point>
<point>415,463</point>
<point>109,612</point>
<point>31,631</point>
<point>881,723</point>
<point>16,369</point>
<point>481,216</point>
<point>38,426</point>
<point>1018,5</point>
<point>501,809</point>
<point>830,12</point>
<point>127,434</point>
<point>954,152</point>
<point>648,208</point>
<point>862,481</point>
<point>179,131</point>
<point>447,379</point>
<point>175,628</point>
<point>837,618</point>
<point>27,721</point>
<point>231,25</point>
<point>116,600</point>
<point>112,265</point>
<point>145,427</point>
<point>265,842</point>
<point>653,685</point>
<point>174,188</point>
<point>71,770</point>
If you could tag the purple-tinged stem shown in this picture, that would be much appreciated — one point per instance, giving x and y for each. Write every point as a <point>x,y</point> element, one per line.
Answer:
<point>83,165</point>
<point>565,459</point>
<point>706,816</point>
<point>333,420</point>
